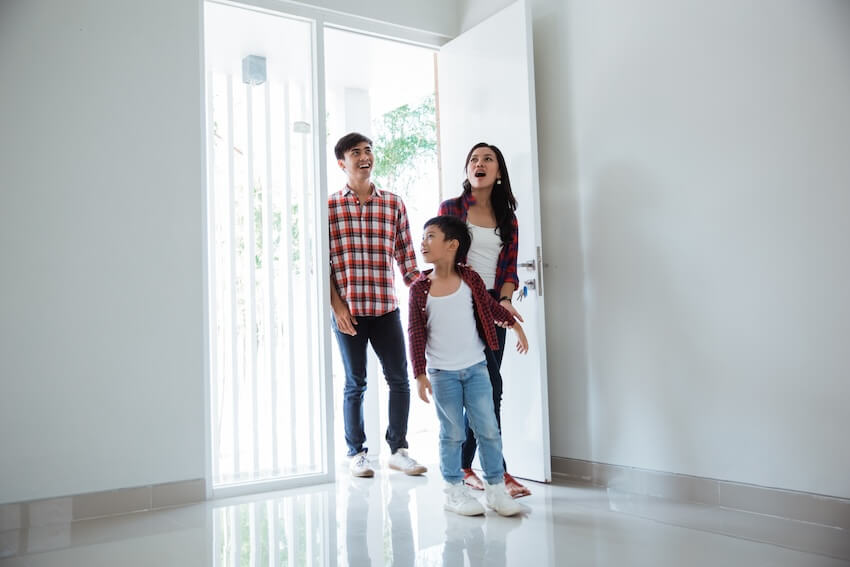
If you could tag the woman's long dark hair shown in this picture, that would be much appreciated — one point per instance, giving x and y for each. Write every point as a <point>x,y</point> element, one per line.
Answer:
<point>501,198</point>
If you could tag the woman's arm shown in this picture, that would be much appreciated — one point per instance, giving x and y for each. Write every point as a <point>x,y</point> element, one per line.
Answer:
<point>508,258</point>
<point>505,300</point>
<point>506,272</point>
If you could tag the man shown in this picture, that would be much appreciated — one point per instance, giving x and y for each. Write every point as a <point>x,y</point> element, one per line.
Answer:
<point>369,230</point>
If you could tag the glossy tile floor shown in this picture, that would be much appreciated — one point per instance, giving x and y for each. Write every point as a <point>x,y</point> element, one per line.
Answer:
<point>393,519</point>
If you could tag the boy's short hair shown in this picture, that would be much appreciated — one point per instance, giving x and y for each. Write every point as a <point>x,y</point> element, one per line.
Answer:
<point>349,141</point>
<point>453,229</point>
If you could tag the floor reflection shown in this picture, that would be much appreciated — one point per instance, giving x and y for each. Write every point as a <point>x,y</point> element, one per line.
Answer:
<point>401,533</point>
<point>393,519</point>
<point>381,520</point>
<point>357,525</point>
<point>290,530</point>
<point>464,536</point>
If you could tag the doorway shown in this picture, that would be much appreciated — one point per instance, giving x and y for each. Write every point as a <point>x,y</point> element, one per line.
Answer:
<point>385,90</point>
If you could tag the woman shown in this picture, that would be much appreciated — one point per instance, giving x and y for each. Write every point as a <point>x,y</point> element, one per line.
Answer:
<point>487,205</point>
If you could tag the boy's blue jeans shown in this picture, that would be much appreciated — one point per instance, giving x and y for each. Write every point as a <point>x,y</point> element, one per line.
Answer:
<point>469,389</point>
<point>387,338</point>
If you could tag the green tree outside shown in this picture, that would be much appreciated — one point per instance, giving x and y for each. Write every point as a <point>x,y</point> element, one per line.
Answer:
<point>405,140</point>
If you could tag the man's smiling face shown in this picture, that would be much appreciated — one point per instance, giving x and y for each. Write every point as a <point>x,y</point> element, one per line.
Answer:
<point>358,161</point>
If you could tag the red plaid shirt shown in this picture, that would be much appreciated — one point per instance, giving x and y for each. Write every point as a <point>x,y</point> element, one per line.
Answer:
<point>364,241</point>
<point>506,264</point>
<point>487,310</point>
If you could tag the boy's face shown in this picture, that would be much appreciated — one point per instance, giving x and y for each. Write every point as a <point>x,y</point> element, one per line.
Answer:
<point>357,162</point>
<point>435,247</point>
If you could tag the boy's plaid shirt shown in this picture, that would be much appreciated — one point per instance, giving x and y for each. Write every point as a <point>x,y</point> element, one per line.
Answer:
<point>506,264</point>
<point>486,310</point>
<point>364,241</point>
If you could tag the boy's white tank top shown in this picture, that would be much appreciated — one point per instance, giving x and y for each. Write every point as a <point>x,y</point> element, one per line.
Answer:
<point>453,342</point>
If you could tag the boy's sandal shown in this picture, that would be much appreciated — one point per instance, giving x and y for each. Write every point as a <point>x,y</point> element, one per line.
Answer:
<point>471,479</point>
<point>514,488</point>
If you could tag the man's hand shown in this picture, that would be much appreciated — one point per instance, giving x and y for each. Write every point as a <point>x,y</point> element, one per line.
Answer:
<point>424,386</point>
<point>345,321</point>
<point>342,314</point>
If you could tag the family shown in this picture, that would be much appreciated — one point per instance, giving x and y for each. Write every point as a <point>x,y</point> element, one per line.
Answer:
<point>458,315</point>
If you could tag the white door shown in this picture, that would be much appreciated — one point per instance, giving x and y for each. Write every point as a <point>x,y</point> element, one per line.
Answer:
<point>486,94</point>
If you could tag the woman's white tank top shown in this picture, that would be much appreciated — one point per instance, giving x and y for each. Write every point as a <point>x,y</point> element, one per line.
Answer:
<point>484,253</point>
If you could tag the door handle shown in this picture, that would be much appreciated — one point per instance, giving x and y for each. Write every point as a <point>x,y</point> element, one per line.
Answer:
<point>535,265</point>
<point>540,271</point>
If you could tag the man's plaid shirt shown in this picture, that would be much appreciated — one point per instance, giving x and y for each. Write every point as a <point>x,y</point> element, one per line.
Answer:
<point>364,241</point>
<point>506,264</point>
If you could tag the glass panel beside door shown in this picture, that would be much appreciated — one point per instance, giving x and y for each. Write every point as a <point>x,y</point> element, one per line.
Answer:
<point>266,387</point>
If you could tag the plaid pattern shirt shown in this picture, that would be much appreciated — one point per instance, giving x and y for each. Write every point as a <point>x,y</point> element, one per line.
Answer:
<point>506,264</point>
<point>486,308</point>
<point>364,240</point>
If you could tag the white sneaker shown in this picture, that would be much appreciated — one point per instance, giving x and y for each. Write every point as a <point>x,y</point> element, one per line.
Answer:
<point>400,461</point>
<point>359,465</point>
<point>499,500</point>
<point>460,500</point>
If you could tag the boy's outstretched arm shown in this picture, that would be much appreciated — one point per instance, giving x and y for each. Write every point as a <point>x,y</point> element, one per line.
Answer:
<point>504,318</point>
<point>424,387</point>
<point>522,340</point>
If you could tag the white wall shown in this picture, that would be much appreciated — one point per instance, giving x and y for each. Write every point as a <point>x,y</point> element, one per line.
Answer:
<point>471,12</point>
<point>702,152</point>
<point>101,210</point>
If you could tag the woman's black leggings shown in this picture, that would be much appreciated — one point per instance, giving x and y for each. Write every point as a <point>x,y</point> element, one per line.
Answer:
<point>494,363</point>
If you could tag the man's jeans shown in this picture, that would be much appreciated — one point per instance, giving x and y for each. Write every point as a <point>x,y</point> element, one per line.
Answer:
<point>468,389</point>
<point>387,338</point>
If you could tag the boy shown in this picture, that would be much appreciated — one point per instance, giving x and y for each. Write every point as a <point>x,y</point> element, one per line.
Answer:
<point>368,231</point>
<point>451,315</point>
